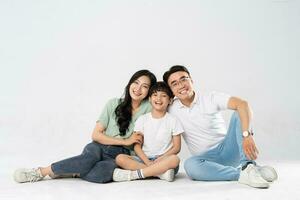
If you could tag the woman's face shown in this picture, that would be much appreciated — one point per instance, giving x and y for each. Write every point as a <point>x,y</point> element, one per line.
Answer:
<point>139,88</point>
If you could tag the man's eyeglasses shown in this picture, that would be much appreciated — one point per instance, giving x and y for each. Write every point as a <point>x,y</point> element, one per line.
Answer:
<point>182,81</point>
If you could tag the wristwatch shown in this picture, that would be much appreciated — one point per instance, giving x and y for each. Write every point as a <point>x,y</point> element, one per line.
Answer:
<point>247,133</point>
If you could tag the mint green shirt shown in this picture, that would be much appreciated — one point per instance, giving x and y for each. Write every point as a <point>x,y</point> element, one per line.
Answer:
<point>109,122</point>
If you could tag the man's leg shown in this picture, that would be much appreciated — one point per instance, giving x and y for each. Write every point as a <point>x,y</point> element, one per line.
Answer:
<point>219,164</point>
<point>231,149</point>
<point>203,168</point>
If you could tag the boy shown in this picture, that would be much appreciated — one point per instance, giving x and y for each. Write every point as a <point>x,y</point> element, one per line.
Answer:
<point>161,141</point>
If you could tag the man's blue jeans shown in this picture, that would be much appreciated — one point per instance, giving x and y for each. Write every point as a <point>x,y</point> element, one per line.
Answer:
<point>95,164</point>
<point>223,162</point>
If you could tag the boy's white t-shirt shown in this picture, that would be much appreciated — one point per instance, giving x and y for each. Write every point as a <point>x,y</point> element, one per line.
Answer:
<point>157,133</point>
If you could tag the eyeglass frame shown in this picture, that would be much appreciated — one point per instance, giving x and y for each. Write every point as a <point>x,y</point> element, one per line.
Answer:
<point>182,80</point>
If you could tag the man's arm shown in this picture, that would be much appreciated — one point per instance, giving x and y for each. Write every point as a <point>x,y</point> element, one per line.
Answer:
<point>245,114</point>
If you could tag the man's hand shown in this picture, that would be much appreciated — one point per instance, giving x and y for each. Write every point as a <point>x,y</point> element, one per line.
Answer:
<point>134,138</point>
<point>249,148</point>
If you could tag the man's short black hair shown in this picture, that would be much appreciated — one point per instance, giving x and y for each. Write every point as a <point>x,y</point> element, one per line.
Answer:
<point>162,87</point>
<point>175,68</point>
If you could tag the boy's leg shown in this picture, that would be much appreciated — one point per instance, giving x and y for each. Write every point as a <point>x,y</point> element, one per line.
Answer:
<point>158,168</point>
<point>128,162</point>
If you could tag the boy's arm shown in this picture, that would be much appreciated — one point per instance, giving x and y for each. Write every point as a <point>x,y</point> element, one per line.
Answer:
<point>140,153</point>
<point>176,140</point>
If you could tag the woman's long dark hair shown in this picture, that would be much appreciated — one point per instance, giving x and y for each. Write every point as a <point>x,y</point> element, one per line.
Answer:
<point>124,109</point>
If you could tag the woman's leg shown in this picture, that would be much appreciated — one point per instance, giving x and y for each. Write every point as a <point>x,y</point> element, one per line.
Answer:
<point>101,172</point>
<point>81,164</point>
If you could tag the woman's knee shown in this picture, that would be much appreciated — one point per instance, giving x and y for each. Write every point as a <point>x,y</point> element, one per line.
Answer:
<point>102,172</point>
<point>93,149</point>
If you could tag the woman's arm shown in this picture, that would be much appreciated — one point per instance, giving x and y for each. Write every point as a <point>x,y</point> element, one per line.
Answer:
<point>99,136</point>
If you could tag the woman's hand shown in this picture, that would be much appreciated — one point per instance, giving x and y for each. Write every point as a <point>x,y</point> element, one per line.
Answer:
<point>134,138</point>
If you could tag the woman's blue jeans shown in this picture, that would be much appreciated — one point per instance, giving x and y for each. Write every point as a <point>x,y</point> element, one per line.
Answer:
<point>222,163</point>
<point>95,164</point>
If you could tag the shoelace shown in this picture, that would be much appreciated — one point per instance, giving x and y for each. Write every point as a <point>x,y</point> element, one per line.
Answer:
<point>256,172</point>
<point>33,176</point>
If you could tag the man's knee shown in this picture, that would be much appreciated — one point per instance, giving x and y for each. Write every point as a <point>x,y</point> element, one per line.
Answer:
<point>192,167</point>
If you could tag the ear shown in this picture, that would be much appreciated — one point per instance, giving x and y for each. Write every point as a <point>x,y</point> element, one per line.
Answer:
<point>171,101</point>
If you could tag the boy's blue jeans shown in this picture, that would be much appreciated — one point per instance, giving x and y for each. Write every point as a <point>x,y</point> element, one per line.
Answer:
<point>223,162</point>
<point>95,164</point>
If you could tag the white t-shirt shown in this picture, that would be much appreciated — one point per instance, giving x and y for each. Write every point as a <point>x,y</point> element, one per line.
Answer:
<point>157,133</point>
<point>203,124</point>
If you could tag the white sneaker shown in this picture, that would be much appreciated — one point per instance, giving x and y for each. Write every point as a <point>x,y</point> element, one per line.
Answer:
<point>251,176</point>
<point>268,173</point>
<point>121,175</point>
<point>27,175</point>
<point>168,175</point>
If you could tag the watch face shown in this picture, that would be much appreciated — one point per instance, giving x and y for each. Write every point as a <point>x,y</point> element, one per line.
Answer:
<point>245,133</point>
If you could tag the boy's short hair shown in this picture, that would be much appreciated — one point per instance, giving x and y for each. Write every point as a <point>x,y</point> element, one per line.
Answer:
<point>162,87</point>
<point>175,68</point>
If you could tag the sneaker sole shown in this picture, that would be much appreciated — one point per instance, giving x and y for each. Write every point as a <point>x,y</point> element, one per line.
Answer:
<point>258,185</point>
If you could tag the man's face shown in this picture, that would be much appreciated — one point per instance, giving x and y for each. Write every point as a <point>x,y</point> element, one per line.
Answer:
<point>181,85</point>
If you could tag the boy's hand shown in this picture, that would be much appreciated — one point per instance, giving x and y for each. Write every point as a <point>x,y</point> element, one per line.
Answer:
<point>148,163</point>
<point>159,159</point>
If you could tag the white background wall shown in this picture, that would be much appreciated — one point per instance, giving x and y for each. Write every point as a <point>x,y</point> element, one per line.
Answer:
<point>60,61</point>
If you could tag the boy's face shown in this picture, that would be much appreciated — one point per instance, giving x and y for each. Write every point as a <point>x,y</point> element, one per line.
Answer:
<point>160,101</point>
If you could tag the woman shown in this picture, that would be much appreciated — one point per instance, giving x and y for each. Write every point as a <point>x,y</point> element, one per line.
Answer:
<point>111,136</point>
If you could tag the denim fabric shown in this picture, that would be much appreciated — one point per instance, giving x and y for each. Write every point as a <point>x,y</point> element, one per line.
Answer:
<point>223,162</point>
<point>95,164</point>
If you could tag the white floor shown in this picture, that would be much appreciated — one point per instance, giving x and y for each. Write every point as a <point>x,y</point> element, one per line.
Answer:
<point>286,187</point>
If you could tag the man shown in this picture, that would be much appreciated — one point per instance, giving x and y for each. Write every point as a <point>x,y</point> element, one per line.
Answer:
<point>218,154</point>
